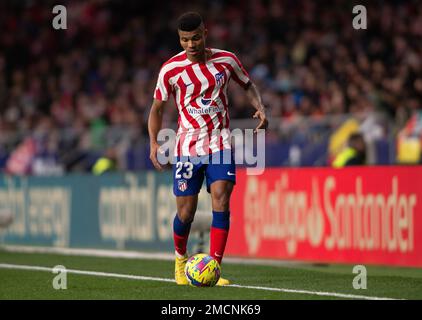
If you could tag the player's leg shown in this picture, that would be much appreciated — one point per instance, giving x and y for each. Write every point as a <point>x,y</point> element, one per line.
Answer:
<point>221,191</point>
<point>186,208</point>
<point>188,179</point>
<point>221,178</point>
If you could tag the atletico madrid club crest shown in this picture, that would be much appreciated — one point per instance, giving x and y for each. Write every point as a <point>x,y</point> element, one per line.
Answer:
<point>182,185</point>
<point>219,78</point>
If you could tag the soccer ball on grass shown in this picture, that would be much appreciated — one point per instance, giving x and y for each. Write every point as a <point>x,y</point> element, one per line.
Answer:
<point>202,270</point>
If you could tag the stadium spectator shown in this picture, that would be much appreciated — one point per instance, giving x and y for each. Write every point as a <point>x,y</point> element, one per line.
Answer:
<point>106,163</point>
<point>354,154</point>
<point>101,71</point>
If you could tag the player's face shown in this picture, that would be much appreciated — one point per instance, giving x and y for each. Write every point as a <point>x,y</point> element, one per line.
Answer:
<point>193,42</point>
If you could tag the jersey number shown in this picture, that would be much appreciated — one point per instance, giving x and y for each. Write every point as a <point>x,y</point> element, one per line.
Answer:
<point>186,175</point>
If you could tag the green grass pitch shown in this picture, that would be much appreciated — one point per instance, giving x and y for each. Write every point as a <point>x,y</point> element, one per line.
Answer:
<point>386,282</point>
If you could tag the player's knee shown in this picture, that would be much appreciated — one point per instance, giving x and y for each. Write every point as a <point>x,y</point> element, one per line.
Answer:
<point>221,201</point>
<point>186,214</point>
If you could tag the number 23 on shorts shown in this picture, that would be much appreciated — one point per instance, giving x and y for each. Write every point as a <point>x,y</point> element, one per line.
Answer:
<point>188,172</point>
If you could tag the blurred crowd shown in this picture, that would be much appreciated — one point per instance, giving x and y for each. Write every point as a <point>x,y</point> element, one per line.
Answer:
<point>85,90</point>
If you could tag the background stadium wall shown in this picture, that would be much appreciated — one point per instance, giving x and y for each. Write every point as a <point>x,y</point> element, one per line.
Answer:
<point>351,215</point>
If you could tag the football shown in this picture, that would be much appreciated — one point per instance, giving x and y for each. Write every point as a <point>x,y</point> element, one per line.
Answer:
<point>202,270</point>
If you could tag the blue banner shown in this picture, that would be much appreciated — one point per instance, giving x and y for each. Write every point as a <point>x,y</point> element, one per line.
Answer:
<point>113,211</point>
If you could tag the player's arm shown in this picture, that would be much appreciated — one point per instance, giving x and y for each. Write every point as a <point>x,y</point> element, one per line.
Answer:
<point>155,121</point>
<point>256,100</point>
<point>242,78</point>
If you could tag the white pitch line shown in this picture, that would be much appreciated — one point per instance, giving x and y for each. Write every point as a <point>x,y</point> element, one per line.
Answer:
<point>82,272</point>
<point>316,293</point>
<point>134,277</point>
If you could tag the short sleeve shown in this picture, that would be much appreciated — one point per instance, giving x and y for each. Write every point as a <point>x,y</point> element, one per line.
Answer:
<point>163,87</point>
<point>240,75</point>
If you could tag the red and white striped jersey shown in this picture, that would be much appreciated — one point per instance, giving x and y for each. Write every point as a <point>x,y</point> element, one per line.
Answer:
<point>200,93</point>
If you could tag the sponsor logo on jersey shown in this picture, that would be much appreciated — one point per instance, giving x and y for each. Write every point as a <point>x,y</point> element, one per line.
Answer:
<point>205,101</point>
<point>210,110</point>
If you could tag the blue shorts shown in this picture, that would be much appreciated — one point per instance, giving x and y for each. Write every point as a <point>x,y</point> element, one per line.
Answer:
<point>189,172</point>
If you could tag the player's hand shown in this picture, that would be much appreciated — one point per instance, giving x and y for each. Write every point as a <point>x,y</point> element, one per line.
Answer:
<point>263,124</point>
<point>155,147</point>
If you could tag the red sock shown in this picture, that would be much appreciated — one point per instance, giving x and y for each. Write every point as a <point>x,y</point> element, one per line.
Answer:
<point>218,239</point>
<point>180,243</point>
